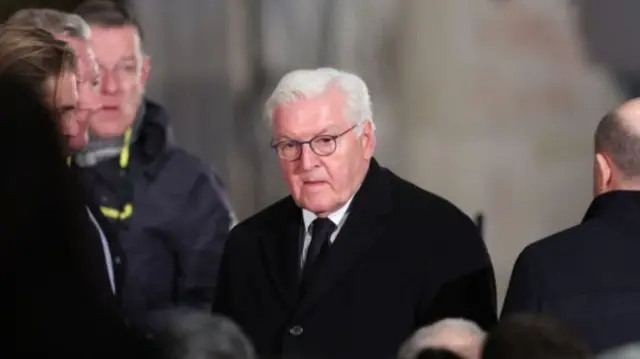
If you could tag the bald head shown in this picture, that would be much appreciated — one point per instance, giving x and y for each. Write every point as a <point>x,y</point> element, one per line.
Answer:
<point>618,136</point>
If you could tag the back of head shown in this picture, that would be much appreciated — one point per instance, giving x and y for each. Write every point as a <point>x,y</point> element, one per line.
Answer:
<point>34,56</point>
<point>529,336</point>
<point>33,165</point>
<point>54,21</point>
<point>617,147</point>
<point>190,334</point>
<point>459,336</point>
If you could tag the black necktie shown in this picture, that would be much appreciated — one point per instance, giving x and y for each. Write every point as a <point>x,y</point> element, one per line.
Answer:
<point>321,230</point>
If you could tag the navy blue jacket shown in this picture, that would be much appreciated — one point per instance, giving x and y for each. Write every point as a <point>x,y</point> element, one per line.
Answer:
<point>587,276</point>
<point>174,239</point>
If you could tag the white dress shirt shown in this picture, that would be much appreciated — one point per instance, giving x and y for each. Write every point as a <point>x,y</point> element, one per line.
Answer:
<point>107,251</point>
<point>338,218</point>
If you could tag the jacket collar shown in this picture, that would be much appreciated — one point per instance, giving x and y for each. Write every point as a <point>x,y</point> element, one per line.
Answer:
<point>615,204</point>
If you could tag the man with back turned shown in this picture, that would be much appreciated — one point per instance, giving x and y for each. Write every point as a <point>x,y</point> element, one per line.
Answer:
<point>587,275</point>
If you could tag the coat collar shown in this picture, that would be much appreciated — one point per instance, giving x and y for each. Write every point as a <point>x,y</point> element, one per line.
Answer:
<point>280,245</point>
<point>615,204</point>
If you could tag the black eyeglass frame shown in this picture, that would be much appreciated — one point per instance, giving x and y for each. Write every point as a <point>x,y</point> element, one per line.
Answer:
<point>298,145</point>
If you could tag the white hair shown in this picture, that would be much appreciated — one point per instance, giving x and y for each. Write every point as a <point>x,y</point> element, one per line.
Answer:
<point>309,83</point>
<point>433,336</point>
<point>54,21</point>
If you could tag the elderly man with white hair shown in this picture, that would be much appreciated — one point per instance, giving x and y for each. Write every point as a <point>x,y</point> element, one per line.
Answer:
<point>459,336</point>
<point>356,258</point>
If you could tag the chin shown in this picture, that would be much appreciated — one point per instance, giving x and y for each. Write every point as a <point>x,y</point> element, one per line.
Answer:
<point>318,205</point>
<point>76,143</point>
<point>108,131</point>
<point>107,125</point>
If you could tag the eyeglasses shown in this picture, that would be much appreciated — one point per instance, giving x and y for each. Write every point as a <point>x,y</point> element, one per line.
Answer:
<point>322,145</point>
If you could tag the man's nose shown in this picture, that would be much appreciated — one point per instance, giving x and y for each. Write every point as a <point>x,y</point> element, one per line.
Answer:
<point>308,158</point>
<point>108,82</point>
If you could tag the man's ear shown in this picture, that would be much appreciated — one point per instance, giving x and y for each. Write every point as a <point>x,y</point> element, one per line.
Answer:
<point>368,139</point>
<point>146,68</point>
<point>603,173</point>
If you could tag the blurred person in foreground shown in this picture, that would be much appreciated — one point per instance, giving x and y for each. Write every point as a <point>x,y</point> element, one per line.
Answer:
<point>587,275</point>
<point>533,336</point>
<point>459,336</point>
<point>627,351</point>
<point>50,248</point>
<point>185,333</point>
<point>76,33</point>
<point>169,208</point>
<point>356,258</point>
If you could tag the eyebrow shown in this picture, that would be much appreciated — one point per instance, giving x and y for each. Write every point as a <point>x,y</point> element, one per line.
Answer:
<point>326,131</point>
<point>128,58</point>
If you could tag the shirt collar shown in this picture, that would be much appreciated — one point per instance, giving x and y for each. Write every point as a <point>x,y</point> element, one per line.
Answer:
<point>336,217</point>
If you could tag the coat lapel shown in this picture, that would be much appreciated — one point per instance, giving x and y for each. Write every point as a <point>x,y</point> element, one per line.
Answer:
<point>363,227</point>
<point>280,247</point>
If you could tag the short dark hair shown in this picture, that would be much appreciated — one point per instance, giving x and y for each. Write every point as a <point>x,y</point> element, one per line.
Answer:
<point>614,138</point>
<point>533,336</point>
<point>106,13</point>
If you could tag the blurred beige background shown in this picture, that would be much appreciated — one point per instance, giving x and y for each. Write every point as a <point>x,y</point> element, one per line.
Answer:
<point>491,104</point>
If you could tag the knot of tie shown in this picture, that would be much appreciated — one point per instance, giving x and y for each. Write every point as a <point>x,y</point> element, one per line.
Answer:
<point>322,228</point>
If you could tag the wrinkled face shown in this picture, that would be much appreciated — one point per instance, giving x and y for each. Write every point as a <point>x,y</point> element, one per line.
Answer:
<point>123,73</point>
<point>322,184</point>
<point>88,100</point>
<point>63,98</point>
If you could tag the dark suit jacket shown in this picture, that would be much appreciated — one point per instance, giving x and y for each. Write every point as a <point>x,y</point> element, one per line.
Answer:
<point>403,259</point>
<point>587,275</point>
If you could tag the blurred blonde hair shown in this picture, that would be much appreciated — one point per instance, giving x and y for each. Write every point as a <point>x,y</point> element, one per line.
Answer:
<point>54,21</point>
<point>34,56</point>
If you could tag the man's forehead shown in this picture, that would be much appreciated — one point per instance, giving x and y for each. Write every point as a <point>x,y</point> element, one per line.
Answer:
<point>116,43</point>
<point>325,105</point>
